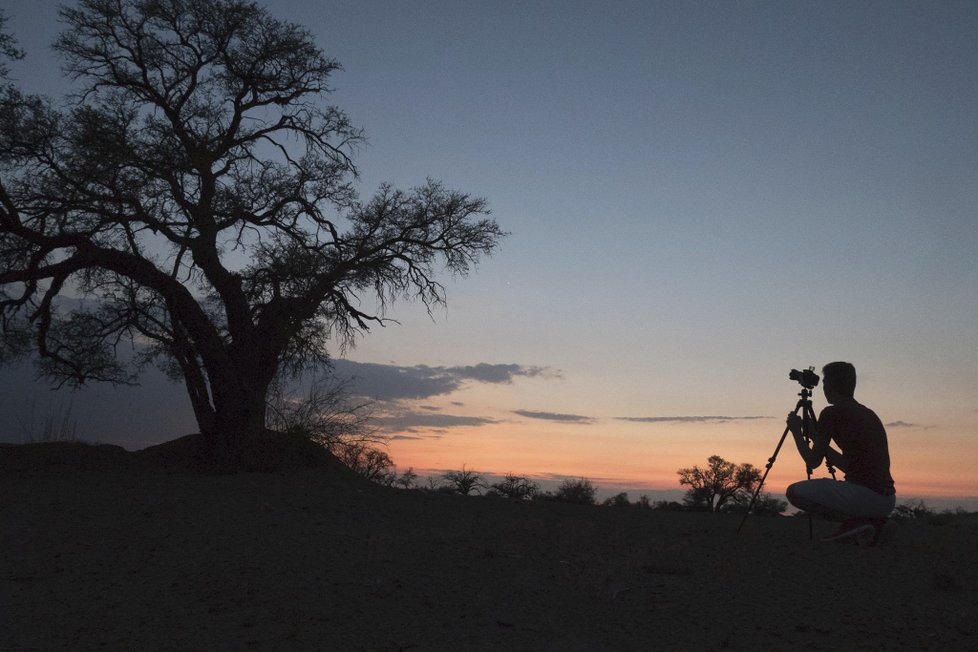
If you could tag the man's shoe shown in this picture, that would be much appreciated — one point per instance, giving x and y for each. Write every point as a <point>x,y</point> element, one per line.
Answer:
<point>851,531</point>
<point>885,529</point>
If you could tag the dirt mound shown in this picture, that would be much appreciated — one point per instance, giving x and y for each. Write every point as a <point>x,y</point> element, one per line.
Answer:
<point>273,452</point>
<point>63,454</point>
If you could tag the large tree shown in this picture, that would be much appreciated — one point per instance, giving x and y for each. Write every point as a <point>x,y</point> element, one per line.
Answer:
<point>197,188</point>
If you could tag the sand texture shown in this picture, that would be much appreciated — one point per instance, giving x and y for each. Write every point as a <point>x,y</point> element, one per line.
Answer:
<point>130,558</point>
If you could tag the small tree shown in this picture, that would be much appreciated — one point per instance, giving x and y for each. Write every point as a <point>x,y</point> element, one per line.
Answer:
<point>371,463</point>
<point>618,500</point>
<point>464,481</point>
<point>516,487</point>
<point>407,479</point>
<point>669,506</point>
<point>721,481</point>
<point>579,492</point>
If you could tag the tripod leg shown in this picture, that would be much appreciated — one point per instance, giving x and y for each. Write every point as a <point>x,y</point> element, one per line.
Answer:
<point>770,463</point>
<point>807,420</point>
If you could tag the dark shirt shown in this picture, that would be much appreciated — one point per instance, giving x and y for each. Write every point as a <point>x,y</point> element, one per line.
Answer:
<point>861,437</point>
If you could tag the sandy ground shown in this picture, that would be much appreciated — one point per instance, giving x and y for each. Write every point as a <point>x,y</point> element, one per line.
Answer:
<point>135,559</point>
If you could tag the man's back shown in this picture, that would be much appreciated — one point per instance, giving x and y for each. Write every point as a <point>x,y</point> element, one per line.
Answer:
<point>861,437</point>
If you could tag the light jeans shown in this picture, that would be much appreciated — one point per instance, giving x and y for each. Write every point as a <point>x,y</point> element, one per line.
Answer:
<point>840,497</point>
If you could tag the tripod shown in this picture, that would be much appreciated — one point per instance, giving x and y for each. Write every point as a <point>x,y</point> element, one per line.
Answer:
<point>807,423</point>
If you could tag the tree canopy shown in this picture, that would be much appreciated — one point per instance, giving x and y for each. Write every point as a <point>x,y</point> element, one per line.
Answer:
<point>197,190</point>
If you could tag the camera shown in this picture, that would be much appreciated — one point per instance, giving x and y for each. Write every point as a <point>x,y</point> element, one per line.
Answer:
<point>808,378</point>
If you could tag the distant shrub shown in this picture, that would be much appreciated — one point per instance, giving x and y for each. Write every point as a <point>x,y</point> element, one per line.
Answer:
<point>464,481</point>
<point>618,500</point>
<point>435,485</point>
<point>768,505</point>
<point>579,492</point>
<point>765,505</point>
<point>912,510</point>
<point>515,487</point>
<point>669,506</point>
<point>407,479</point>
<point>371,463</point>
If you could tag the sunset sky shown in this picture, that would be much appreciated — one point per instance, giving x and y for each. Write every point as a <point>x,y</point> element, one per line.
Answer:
<point>701,196</point>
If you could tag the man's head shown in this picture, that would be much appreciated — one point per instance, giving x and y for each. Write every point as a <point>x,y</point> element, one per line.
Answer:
<point>839,381</point>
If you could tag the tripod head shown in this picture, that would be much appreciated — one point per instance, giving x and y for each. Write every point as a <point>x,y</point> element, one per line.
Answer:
<point>806,397</point>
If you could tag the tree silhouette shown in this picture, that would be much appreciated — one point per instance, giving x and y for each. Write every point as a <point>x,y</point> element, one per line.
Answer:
<point>618,500</point>
<point>720,483</point>
<point>463,481</point>
<point>369,462</point>
<point>198,190</point>
<point>516,487</point>
<point>407,479</point>
<point>580,492</point>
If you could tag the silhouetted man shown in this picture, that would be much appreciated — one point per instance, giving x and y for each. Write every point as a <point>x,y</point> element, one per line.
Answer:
<point>867,496</point>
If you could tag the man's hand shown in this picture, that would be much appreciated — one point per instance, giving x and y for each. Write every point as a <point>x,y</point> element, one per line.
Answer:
<point>794,424</point>
<point>811,450</point>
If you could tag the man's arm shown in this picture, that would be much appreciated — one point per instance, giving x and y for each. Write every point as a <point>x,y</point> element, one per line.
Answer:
<point>814,454</point>
<point>836,459</point>
<point>820,448</point>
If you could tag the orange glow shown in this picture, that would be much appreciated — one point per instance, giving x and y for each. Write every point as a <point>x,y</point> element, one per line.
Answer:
<point>639,456</point>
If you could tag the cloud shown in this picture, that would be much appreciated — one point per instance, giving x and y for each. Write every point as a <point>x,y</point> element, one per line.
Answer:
<point>561,477</point>
<point>688,419</point>
<point>498,373</point>
<point>554,416</point>
<point>410,421</point>
<point>901,424</point>
<point>387,382</point>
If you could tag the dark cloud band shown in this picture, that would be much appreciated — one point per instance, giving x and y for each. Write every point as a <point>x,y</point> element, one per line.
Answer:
<point>392,382</point>
<point>688,419</point>
<point>410,421</point>
<point>554,416</point>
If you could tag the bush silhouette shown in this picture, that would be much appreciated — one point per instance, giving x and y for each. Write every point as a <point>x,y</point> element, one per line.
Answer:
<point>464,481</point>
<point>911,510</point>
<point>371,463</point>
<point>515,487</point>
<point>618,500</point>
<point>579,492</point>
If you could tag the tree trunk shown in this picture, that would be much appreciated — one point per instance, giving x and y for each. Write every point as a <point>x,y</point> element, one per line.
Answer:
<point>236,435</point>
<point>239,425</point>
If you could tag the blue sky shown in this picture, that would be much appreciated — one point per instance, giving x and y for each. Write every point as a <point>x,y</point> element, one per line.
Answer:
<point>700,196</point>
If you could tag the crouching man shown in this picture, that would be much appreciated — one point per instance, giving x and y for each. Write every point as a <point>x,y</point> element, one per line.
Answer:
<point>867,496</point>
